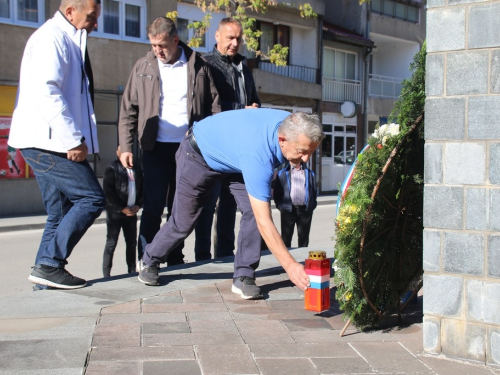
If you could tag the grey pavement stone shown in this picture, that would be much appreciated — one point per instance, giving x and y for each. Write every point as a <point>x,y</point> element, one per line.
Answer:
<point>443,295</point>
<point>350,335</point>
<point>18,355</point>
<point>142,318</point>
<point>432,335</point>
<point>218,316</point>
<point>306,325</point>
<point>444,366</point>
<point>117,334</point>
<point>433,163</point>
<point>317,350</point>
<point>165,328</point>
<point>476,209</point>
<point>111,368</point>
<point>263,331</point>
<point>494,162</point>
<point>463,253</point>
<point>171,367</point>
<point>443,207</point>
<point>390,357</point>
<point>174,297</point>
<point>462,340</point>
<point>343,366</point>
<point>183,307</point>
<point>66,371</point>
<point>483,117</point>
<point>288,366</point>
<point>494,256</point>
<point>445,29</point>
<point>460,79</point>
<point>434,84</point>
<point>479,34</point>
<point>212,326</point>
<point>493,346</point>
<point>483,301</point>
<point>444,119</point>
<point>464,163</point>
<point>226,359</point>
<point>494,210</point>
<point>118,354</point>
<point>432,250</point>
<point>199,338</point>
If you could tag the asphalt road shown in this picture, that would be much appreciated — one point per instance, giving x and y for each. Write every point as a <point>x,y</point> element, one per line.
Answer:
<point>18,250</point>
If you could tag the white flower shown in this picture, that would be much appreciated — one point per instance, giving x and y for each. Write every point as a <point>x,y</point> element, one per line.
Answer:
<point>385,131</point>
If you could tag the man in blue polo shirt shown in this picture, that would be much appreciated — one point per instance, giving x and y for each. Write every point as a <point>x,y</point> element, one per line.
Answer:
<point>240,149</point>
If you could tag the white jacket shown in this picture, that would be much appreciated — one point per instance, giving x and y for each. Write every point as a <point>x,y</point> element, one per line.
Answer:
<point>53,108</point>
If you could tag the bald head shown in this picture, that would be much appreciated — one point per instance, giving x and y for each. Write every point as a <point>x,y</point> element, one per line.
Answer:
<point>82,14</point>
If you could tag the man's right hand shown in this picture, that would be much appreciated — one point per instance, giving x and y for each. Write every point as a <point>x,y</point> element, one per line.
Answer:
<point>127,159</point>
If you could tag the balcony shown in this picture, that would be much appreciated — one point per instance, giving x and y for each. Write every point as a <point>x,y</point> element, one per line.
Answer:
<point>384,87</point>
<point>302,73</point>
<point>341,90</point>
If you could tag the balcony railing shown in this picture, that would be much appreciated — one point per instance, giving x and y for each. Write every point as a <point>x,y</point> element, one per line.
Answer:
<point>384,87</point>
<point>341,90</point>
<point>293,71</point>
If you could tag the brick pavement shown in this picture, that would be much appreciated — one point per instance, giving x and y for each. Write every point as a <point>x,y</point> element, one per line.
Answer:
<point>209,330</point>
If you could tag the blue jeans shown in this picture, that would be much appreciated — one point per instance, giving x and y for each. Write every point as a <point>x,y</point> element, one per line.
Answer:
<point>158,168</point>
<point>195,181</point>
<point>73,199</point>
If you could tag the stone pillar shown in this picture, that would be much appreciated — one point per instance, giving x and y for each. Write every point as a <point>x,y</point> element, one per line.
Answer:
<point>462,181</point>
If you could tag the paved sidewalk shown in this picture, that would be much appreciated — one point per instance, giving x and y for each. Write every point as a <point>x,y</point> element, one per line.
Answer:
<point>192,324</point>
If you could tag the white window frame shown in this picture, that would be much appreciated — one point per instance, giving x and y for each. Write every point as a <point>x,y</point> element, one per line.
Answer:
<point>121,23</point>
<point>13,17</point>
<point>345,68</point>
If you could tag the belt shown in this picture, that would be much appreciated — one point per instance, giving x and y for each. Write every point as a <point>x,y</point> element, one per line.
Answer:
<point>193,143</point>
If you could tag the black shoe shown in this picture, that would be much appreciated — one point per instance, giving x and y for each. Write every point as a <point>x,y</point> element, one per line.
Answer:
<point>147,274</point>
<point>245,286</point>
<point>55,277</point>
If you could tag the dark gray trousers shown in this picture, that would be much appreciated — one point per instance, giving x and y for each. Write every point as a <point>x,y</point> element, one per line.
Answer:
<point>194,180</point>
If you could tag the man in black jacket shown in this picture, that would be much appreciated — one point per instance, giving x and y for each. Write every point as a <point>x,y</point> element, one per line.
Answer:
<point>236,88</point>
<point>123,190</point>
<point>295,197</point>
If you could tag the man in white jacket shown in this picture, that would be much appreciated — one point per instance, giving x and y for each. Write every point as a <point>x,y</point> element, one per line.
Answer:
<point>54,127</point>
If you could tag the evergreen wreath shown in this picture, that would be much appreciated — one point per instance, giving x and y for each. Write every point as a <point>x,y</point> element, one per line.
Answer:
<point>379,227</point>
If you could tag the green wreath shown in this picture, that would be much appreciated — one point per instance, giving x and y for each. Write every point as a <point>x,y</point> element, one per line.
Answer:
<point>378,250</point>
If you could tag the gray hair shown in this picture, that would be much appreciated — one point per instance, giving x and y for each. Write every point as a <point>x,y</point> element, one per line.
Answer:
<point>77,4</point>
<point>228,20</point>
<point>162,26</point>
<point>302,123</point>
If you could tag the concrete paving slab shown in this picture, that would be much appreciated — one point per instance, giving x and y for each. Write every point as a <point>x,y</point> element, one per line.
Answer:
<point>289,366</point>
<point>171,367</point>
<point>226,359</point>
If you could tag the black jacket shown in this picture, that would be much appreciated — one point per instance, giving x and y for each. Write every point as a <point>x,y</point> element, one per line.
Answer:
<point>115,186</point>
<point>281,192</point>
<point>223,72</point>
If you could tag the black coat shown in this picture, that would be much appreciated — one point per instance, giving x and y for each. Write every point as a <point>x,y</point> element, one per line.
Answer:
<point>281,193</point>
<point>115,186</point>
<point>223,72</point>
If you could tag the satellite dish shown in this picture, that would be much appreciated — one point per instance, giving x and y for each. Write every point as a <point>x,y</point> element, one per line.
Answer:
<point>348,109</point>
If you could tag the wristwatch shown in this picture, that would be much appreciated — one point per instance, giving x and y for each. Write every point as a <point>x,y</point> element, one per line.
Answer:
<point>82,140</point>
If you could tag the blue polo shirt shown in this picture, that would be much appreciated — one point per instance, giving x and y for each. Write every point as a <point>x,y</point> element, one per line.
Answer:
<point>243,141</point>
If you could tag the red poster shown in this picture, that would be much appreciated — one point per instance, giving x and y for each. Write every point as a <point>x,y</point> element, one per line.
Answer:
<point>12,164</point>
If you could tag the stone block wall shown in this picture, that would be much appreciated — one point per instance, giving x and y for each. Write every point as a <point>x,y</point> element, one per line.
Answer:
<point>462,181</point>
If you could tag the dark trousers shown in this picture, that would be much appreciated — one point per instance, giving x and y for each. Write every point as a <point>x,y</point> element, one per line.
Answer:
<point>300,217</point>
<point>115,222</point>
<point>225,221</point>
<point>158,167</point>
<point>195,180</point>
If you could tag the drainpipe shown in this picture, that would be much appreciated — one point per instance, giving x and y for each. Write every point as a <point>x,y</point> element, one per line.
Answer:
<point>366,57</point>
<point>319,78</point>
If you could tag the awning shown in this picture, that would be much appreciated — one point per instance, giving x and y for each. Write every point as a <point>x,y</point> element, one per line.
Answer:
<point>338,34</point>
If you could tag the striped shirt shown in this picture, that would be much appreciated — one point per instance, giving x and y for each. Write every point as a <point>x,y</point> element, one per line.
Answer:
<point>298,186</point>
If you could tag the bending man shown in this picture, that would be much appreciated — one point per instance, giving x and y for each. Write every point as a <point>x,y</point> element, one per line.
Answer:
<point>240,149</point>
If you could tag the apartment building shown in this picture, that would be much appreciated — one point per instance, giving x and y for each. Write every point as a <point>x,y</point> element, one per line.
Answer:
<point>366,53</point>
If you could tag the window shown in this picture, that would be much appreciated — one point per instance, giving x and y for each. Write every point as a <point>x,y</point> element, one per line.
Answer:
<point>396,9</point>
<point>271,35</point>
<point>339,64</point>
<point>185,33</point>
<point>123,19</point>
<point>22,12</point>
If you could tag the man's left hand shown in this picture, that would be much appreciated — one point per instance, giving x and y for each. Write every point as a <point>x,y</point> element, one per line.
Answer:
<point>78,153</point>
<point>298,275</point>
<point>254,105</point>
